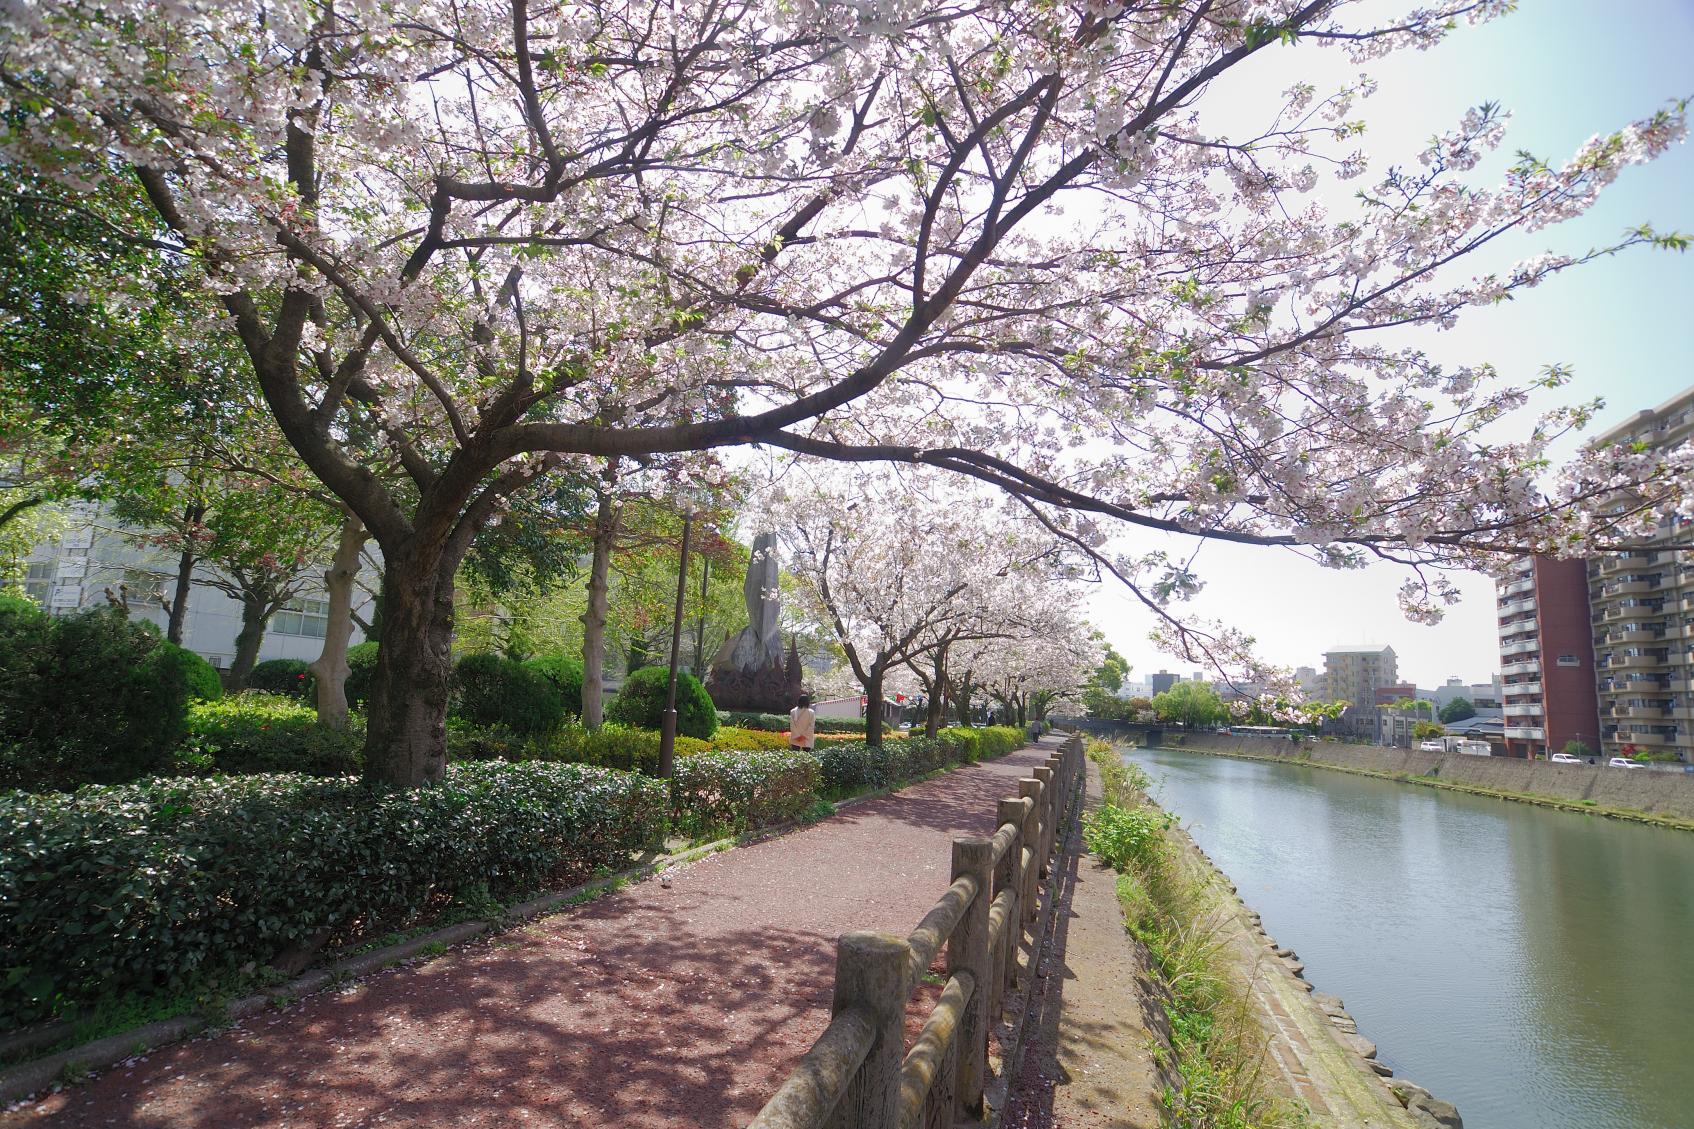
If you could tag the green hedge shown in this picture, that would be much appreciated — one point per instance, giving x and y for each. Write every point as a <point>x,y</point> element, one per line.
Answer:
<point>86,698</point>
<point>641,703</point>
<point>490,690</point>
<point>778,722</point>
<point>740,791</point>
<point>254,732</point>
<point>292,677</point>
<point>565,673</point>
<point>155,887</point>
<point>849,767</point>
<point>199,677</point>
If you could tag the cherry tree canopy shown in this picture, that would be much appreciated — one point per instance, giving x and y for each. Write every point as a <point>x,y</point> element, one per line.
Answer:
<point>993,238</point>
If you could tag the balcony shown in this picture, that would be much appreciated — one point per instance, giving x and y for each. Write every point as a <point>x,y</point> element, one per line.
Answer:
<point>1532,732</point>
<point>1521,689</point>
<point>1515,608</point>
<point>1627,588</point>
<point>1526,709</point>
<point>1526,666</point>
<point>1518,587</point>
<point>1643,713</point>
<point>1640,662</point>
<point>1642,737</point>
<point>1528,647</point>
<point>1615,611</point>
<point>1634,635</point>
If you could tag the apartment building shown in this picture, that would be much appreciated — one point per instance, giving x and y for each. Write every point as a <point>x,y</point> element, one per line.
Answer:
<point>94,555</point>
<point>1355,674</point>
<point>1547,661</point>
<point>1643,615</point>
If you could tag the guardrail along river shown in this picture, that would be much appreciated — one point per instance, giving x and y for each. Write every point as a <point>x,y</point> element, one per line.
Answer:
<point>1533,967</point>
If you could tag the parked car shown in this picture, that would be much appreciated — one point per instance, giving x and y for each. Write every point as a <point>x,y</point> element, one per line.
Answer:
<point>1624,762</point>
<point>1432,747</point>
<point>1564,758</point>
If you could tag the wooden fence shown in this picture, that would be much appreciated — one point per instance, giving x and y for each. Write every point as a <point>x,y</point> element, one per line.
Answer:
<point>859,1075</point>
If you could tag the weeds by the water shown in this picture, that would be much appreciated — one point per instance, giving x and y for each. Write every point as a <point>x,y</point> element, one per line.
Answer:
<point>1217,1050</point>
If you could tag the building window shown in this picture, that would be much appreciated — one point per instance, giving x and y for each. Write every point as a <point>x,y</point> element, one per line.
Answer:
<point>37,581</point>
<point>309,618</point>
<point>143,589</point>
<point>1569,660</point>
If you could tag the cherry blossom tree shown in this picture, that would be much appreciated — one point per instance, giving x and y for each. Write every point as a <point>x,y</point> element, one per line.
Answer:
<point>996,239</point>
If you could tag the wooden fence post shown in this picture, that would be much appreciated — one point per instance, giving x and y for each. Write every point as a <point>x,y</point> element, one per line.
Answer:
<point>1008,877</point>
<point>967,950</point>
<point>1030,861</point>
<point>871,972</point>
<point>1049,813</point>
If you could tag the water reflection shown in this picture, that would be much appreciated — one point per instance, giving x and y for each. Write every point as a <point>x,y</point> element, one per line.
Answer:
<point>1526,964</point>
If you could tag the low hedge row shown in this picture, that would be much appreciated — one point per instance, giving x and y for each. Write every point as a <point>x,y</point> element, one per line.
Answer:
<point>740,791</point>
<point>778,722</point>
<point>149,888</point>
<point>853,766</point>
<point>253,732</point>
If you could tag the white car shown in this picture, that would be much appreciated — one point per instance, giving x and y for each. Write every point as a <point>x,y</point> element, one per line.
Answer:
<point>1564,758</point>
<point>1432,747</point>
<point>1624,762</point>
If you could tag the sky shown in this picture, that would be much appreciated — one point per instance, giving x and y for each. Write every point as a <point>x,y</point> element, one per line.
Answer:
<point>1567,70</point>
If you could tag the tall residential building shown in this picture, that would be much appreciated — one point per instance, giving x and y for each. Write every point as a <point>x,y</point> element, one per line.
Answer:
<point>1162,681</point>
<point>1354,674</point>
<point>1546,658</point>
<point>1643,615</point>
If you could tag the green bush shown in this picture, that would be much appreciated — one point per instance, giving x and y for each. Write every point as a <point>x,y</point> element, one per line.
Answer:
<point>158,887</point>
<point>1128,837</point>
<point>849,767</point>
<point>740,791</point>
<point>255,732</point>
<point>748,740</point>
<point>565,673</point>
<point>282,676</point>
<point>490,690</point>
<point>361,673</point>
<point>199,677</point>
<point>87,698</point>
<point>641,703</point>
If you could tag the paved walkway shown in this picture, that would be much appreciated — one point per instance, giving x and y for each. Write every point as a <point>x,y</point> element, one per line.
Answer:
<point>652,1006</point>
<point>1088,1058</point>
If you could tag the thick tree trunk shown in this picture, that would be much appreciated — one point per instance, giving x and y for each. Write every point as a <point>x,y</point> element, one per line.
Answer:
<point>406,735</point>
<point>594,616</point>
<point>873,706</point>
<point>330,669</point>
<point>935,706</point>
<point>255,615</point>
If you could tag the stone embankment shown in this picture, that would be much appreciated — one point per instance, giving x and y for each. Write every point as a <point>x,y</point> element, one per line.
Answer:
<point>1314,1044</point>
<point>1639,794</point>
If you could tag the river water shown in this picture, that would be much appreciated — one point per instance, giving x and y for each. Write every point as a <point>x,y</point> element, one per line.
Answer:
<point>1533,967</point>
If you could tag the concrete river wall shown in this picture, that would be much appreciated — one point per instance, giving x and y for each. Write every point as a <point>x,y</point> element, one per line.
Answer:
<point>1656,793</point>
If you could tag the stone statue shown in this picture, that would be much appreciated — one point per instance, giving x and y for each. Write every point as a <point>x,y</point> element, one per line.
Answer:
<point>749,671</point>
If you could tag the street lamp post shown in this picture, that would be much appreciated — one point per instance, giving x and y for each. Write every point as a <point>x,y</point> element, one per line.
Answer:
<point>667,727</point>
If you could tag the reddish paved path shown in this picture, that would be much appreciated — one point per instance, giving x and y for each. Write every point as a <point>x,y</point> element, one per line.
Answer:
<point>649,1007</point>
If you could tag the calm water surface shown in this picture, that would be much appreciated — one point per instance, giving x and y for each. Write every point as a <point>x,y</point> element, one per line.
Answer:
<point>1533,967</point>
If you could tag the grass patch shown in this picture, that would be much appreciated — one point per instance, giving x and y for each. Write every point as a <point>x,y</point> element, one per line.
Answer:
<point>1218,1051</point>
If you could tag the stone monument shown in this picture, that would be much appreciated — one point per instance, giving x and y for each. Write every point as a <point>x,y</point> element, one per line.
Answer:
<point>750,671</point>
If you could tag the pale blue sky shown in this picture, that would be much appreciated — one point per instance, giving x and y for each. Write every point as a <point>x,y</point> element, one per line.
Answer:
<point>1567,69</point>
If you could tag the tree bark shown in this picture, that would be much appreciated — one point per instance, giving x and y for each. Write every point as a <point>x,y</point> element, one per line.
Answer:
<point>935,708</point>
<point>594,616</point>
<point>406,737</point>
<point>255,616</point>
<point>191,516</point>
<point>330,668</point>
<point>873,706</point>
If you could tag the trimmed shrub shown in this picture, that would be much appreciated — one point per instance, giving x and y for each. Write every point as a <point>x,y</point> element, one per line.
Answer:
<point>86,698</point>
<point>641,703</point>
<point>162,886</point>
<point>361,673</point>
<point>565,673</point>
<point>749,740</point>
<point>282,676</point>
<point>778,723</point>
<point>254,732</point>
<point>849,767</point>
<point>741,791</point>
<point>199,677</point>
<point>491,690</point>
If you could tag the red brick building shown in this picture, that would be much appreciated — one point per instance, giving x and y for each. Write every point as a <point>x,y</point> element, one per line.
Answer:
<point>1547,658</point>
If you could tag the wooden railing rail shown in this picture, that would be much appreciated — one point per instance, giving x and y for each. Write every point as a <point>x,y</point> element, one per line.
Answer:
<point>856,1076</point>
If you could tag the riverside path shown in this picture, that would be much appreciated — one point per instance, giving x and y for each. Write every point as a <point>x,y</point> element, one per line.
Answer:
<point>679,1004</point>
